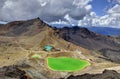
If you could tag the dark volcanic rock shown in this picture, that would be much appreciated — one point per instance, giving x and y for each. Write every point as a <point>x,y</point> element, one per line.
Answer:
<point>107,74</point>
<point>12,72</point>
<point>112,55</point>
<point>88,39</point>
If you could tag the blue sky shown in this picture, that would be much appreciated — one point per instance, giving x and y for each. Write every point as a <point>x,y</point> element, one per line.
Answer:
<point>99,6</point>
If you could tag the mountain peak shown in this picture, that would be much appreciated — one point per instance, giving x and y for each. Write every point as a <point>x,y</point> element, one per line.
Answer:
<point>35,20</point>
<point>84,30</point>
<point>29,27</point>
<point>87,32</point>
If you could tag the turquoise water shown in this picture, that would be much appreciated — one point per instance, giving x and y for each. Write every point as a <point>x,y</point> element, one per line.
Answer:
<point>48,47</point>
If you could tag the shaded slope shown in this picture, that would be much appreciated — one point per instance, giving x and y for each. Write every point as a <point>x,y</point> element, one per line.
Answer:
<point>88,39</point>
<point>108,45</point>
<point>112,55</point>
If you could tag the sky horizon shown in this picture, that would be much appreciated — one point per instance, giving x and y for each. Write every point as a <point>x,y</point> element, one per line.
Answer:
<point>104,13</point>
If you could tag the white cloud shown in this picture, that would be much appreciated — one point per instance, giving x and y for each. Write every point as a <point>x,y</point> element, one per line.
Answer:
<point>81,3</point>
<point>88,7</point>
<point>48,10</point>
<point>114,1</point>
<point>73,12</point>
<point>111,19</point>
<point>115,9</point>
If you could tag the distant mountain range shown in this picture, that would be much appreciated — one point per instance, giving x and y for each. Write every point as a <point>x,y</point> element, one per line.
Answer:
<point>98,29</point>
<point>105,30</point>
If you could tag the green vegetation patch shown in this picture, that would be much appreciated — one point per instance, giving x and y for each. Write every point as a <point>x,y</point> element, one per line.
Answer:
<point>36,56</point>
<point>66,64</point>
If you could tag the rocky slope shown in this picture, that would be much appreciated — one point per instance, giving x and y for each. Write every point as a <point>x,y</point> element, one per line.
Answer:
<point>20,40</point>
<point>17,28</point>
<point>88,39</point>
<point>92,41</point>
<point>79,36</point>
<point>107,74</point>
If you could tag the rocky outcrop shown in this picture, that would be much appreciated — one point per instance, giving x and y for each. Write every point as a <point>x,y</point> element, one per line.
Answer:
<point>12,72</point>
<point>107,74</point>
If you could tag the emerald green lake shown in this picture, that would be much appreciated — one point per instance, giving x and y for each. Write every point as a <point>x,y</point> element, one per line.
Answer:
<point>66,64</point>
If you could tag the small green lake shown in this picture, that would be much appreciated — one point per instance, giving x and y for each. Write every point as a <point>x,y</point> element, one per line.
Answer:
<point>66,64</point>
